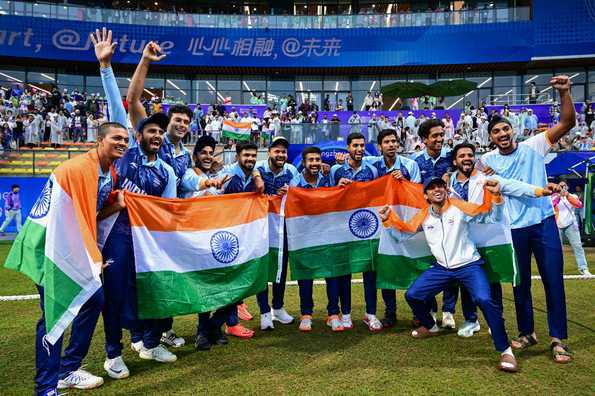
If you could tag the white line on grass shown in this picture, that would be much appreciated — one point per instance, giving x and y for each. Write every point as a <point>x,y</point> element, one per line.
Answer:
<point>290,283</point>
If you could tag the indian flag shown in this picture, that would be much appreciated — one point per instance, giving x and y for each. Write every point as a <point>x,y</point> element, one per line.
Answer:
<point>399,263</point>
<point>198,254</point>
<point>276,234</point>
<point>57,247</point>
<point>237,130</point>
<point>334,231</point>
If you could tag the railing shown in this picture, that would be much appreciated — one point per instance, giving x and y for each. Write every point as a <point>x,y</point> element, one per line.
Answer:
<point>88,14</point>
<point>519,99</point>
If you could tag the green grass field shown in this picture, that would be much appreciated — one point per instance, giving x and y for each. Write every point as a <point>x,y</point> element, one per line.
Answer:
<point>355,362</point>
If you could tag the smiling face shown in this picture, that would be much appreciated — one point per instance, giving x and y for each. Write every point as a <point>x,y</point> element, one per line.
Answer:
<point>435,139</point>
<point>465,160</point>
<point>178,126</point>
<point>312,163</point>
<point>204,158</point>
<point>356,149</point>
<point>502,136</point>
<point>436,193</point>
<point>278,155</point>
<point>247,159</point>
<point>113,145</point>
<point>151,138</point>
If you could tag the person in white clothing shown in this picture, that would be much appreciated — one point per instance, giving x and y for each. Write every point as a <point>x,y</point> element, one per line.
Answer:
<point>564,206</point>
<point>445,223</point>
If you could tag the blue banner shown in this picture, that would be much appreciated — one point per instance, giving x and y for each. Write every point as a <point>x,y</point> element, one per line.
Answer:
<point>30,189</point>
<point>29,37</point>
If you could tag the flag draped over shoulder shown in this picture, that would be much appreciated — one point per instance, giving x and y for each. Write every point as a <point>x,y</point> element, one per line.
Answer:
<point>237,130</point>
<point>57,246</point>
<point>334,231</point>
<point>400,263</point>
<point>198,254</point>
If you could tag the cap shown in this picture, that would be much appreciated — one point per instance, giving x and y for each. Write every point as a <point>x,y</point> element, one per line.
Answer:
<point>160,119</point>
<point>433,181</point>
<point>279,140</point>
<point>204,141</point>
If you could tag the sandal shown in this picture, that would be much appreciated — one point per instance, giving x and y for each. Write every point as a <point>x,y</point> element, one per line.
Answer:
<point>508,363</point>
<point>523,342</point>
<point>557,353</point>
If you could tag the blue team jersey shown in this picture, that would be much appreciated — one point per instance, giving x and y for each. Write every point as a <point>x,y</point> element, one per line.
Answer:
<point>180,162</point>
<point>136,174</point>
<point>104,188</point>
<point>430,167</point>
<point>274,181</point>
<point>526,164</point>
<point>300,181</point>
<point>365,172</point>
<point>238,181</point>
<point>408,167</point>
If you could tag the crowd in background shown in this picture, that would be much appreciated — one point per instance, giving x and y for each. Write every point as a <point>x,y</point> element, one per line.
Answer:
<point>29,117</point>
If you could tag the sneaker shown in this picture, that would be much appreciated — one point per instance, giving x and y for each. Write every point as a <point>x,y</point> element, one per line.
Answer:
<point>347,322</point>
<point>281,315</point>
<point>159,354</point>
<point>243,313</point>
<point>266,321</point>
<point>306,323</point>
<point>80,379</point>
<point>239,331</point>
<point>170,338</point>
<point>202,343</point>
<point>468,329</point>
<point>424,332</point>
<point>389,321</point>
<point>585,272</point>
<point>136,346</point>
<point>335,323</point>
<point>218,338</point>
<point>374,325</point>
<point>51,392</point>
<point>448,321</point>
<point>116,368</point>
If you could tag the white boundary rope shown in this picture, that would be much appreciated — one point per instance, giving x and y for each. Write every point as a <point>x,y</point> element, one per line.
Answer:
<point>289,283</point>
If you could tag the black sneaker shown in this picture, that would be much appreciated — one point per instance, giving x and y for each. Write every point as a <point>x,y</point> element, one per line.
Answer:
<point>389,321</point>
<point>218,338</point>
<point>202,343</point>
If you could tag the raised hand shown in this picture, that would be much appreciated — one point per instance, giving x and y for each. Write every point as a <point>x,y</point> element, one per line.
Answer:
<point>550,189</point>
<point>340,158</point>
<point>152,52</point>
<point>104,47</point>
<point>561,83</point>
<point>493,186</point>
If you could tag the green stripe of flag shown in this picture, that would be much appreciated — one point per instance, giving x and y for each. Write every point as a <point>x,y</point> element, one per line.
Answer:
<point>235,135</point>
<point>163,294</point>
<point>27,254</point>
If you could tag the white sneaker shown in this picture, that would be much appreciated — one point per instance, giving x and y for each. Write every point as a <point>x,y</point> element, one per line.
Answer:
<point>347,322</point>
<point>136,346</point>
<point>159,354</point>
<point>116,368</point>
<point>468,329</point>
<point>434,316</point>
<point>170,338</point>
<point>281,315</point>
<point>585,272</point>
<point>80,379</point>
<point>374,325</point>
<point>448,321</point>
<point>266,321</point>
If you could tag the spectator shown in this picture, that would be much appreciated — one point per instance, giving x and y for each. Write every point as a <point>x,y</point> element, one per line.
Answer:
<point>12,208</point>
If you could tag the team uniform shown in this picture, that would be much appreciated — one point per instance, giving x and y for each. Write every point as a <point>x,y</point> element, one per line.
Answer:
<point>410,171</point>
<point>534,231</point>
<point>471,190</point>
<point>51,368</point>
<point>306,285</point>
<point>180,162</point>
<point>429,168</point>
<point>365,172</point>
<point>457,260</point>
<point>273,182</point>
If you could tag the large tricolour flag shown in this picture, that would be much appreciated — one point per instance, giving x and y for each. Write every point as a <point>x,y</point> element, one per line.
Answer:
<point>198,254</point>
<point>237,130</point>
<point>334,231</point>
<point>399,263</point>
<point>57,247</point>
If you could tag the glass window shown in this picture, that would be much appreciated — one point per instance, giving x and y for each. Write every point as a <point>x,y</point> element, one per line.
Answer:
<point>65,80</point>
<point>177,88</point>
<point>336,84</point>
<point>254,83</point>
<point>229,83</point>
<point>365,85</point>
<point>541,78</point>
<point>154,82</point>
<point>14,74</point>
<point>227,95</point>
<point>510,79</point>
<point>591,93</point>
<point>421,78</point>
<point>483,79</point>
<point>576,75</point>
<point>43,77</point>
<point>450,76</point>
<point>308,84</point>
<point>281,86</point>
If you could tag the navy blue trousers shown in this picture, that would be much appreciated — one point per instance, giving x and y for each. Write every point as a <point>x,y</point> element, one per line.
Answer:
<point>50,365</point>
<point>474,279</point>
<point>543,241</point>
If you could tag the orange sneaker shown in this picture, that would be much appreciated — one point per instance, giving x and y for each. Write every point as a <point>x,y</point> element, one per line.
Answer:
<point>243,312</point>
<point>239,331</point>
<point>335,323</point>
<point>306,323</point>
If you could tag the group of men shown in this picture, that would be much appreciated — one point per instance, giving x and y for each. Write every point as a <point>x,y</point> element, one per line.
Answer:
<point>151,159</point>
